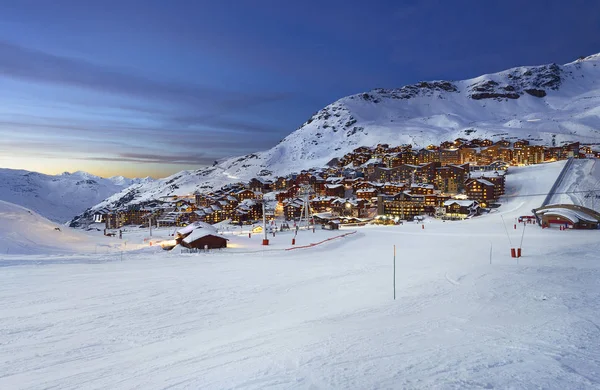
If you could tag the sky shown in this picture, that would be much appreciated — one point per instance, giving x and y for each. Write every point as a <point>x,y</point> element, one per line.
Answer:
<point>152,87</point>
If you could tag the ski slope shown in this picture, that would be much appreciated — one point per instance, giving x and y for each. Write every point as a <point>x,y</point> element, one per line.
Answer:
<point>25,232</point>
<point>581,185</point>
<point>322,317</point>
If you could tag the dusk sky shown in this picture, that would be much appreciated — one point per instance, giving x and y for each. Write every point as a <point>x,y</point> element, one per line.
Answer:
<point>140,88</point>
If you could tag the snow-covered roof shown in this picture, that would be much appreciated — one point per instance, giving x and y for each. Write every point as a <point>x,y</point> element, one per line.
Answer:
<point>422,185</point>
<point>323,198</point>
<point>486,174</point>
<point>371,161</point>
<point>196,226</point>
<point>573,215</point>
<point>169,217</point>
<point>485,182</point>
<point>200,233</point>
<point>363,190</point>
<point>462,203</point>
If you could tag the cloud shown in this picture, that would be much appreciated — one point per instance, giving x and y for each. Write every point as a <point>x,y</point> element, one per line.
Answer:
<point>149,158</point>
<point>37,66</point>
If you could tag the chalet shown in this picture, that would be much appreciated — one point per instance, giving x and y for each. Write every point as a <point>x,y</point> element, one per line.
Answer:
<point>392,188</point>
<point>425,173</point>
<point>426,156</point>
<point>203,240</point>
<point>228,206</point>
<point>293,208</point>
<point>449,156</point>
<point>468,155</point>
<point>364,185</point>
<point>495,177</point>
<point>242,195</point>
<point>481,190</point>
<point>451,178</point>
<point>352,173</point>
<point>302,178</point>
<point>383,174</point>
<point>527,154</point>
<point>200,235</point>
<point>251,209</point>
<point>421,189</point>
<point>290,193</point>
<point>259,184</point>
<point>367,193</point>
<point>172,218</point>
<point>403,205</point>
<point>371,166</point>
<point>318,185</point>
<point>403,173</point>
<point>460,209</point>
<point>434,200</point>
<point>337,190</point>
<point>349,207</point>
<point>520,143</point>
<point>321,203</point>
<point>133,215</point>
<point>282,183</point>
<point>405,157</point>
<point>351,182</point>
<point>335,180</point>
<point>381,148</point>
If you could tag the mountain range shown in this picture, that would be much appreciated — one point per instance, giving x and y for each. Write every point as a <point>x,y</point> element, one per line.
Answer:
<point>59,197</point>
<point>543,104</point>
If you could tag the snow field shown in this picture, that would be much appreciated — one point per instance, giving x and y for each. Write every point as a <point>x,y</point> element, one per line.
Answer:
<point>321,317</point>
<point>313,318</point>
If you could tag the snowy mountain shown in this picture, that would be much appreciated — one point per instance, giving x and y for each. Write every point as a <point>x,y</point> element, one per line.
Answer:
<point>61,197</point>
<point>538,103</point>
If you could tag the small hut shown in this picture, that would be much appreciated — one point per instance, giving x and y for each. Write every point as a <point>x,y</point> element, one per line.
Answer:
<point>201,239</point>
<point>200,235</point>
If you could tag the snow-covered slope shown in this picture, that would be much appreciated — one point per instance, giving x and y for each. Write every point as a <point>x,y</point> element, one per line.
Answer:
<point>465,315</point>
<point>61,197</point>
<point>580,185</point>
<point>23,231</point>
<point>539,103</point>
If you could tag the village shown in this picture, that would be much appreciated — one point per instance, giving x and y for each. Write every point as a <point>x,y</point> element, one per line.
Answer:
<point>385,185</point>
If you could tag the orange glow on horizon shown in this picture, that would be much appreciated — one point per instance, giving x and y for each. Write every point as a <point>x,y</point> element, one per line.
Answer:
<point>98,168</point>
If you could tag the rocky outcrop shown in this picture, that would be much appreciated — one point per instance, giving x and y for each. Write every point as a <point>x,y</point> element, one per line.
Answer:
<point>536,92</point>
